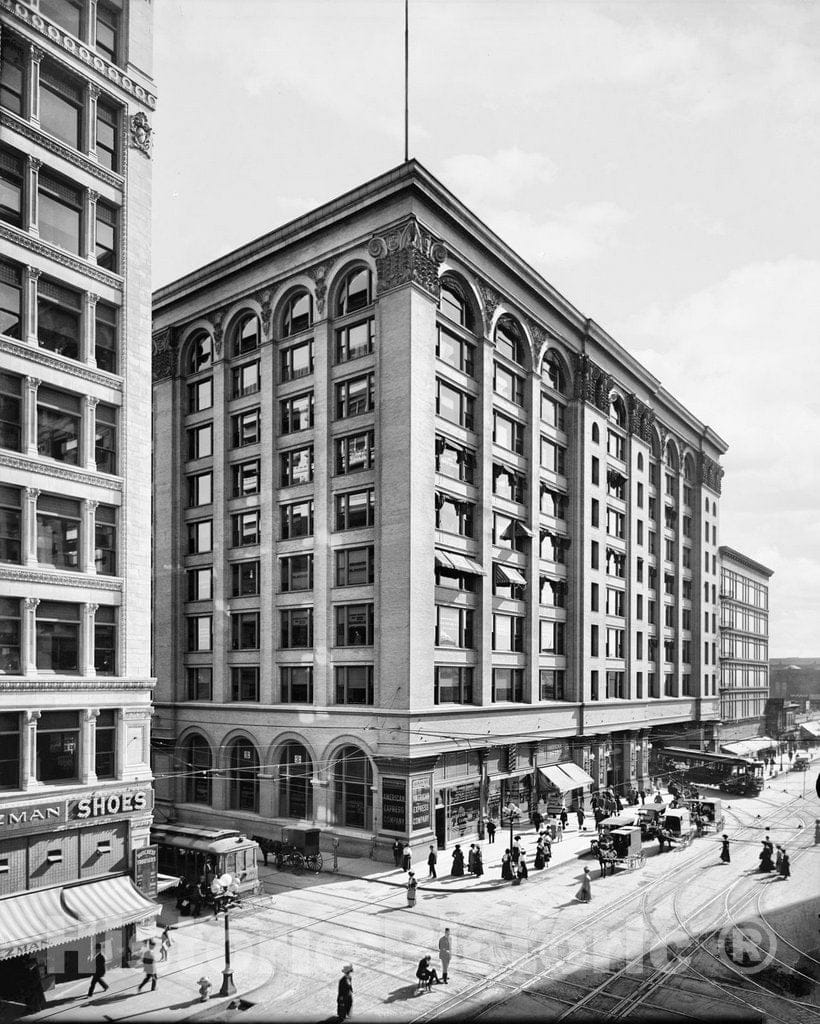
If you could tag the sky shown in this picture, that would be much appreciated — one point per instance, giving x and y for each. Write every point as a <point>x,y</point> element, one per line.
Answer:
<point>657,162</point>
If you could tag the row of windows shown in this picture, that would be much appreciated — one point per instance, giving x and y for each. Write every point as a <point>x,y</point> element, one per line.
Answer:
<point>454,685</point>
<point>353,628</point>
<point>734,617</point>
<point>353,684</point>
<point>57,643</point>
<point>740,588</point>
<point>732,646</point>
<point>744,675</point>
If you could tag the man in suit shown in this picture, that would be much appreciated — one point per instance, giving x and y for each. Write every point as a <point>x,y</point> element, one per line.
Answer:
<point>99,972</point>
<point>432,857</point>
<point>445,951</point>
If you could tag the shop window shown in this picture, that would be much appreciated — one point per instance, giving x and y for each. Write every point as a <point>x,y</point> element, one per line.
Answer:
<point>9,734</point>
<point>354,684</point>
<point>245,684</point>
<point>10,631</point>
<point>243,776</point>
<point>58,746</point>
<point>11,524</point>
<point>352,789</point>
<point>105,756</point>
<point>295,785</point>
<point>297,519</point>
<point>296,684</point>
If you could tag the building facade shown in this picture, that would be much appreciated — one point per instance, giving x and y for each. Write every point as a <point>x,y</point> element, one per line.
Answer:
<point>744,648</point>
<point>75,407</point>
<point>429,543</point>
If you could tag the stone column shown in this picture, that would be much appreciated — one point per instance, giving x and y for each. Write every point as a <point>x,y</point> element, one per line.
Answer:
<point>29,525</point>
<point>28,754</point>
<point>88,459</point>
<point>88,329</point>
<point>119,752</point>
<point>30,386</point>
<point>87,540</point>
<point>91,23</point>
<point>31,276</point>
<point>92,94</point>
<point>87,613</point>
<point>267,789</point>
<point>29,638</point>
<point>31,187</point>
<point>88,742</point>
<point>321,802</point>
<point>32,98</point>
<point>90,198</point>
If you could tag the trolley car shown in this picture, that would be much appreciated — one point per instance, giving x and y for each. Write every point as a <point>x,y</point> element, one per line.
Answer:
<point>730,773</point>
<point>197,855</point>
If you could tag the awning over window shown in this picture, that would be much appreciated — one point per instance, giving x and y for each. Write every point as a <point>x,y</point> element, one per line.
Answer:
<point>811,729</point>
<point>748,748</point>
<point>458,563</point>
<point>523,529</point>
<point>509,574</point>
<point>565,776</point>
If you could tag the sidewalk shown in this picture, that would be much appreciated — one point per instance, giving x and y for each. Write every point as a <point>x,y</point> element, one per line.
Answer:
<point>198,950</point>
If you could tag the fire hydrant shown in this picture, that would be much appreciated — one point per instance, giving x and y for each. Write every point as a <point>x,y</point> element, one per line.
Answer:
<point>204,985</point>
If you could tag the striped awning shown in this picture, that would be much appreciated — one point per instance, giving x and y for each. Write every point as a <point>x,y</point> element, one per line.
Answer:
<point>748,748</point>
<point>565,776</point>
<point>109,903</point>
<point>509,574</point>
<point>458,563</point>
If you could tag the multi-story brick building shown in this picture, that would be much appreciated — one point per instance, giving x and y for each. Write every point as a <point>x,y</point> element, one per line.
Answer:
<point>744,652</point>
<point>428,540</point>
<point>75,409</point>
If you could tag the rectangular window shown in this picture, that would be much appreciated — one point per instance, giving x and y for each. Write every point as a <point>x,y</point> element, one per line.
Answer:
<point>595,512</point>
<point>553,503</point>
<point>652,543</point>
<point>639,569</point>
<point>200,490</point>
<point>296,466</point>
<point>297,413</point>
<point>596,470</point>
<point>107,136</point>
<point>105,739</point>
<point>615,685</point>
<point>552,637</point>
<point>461,581</point>
<point>108,27</point>
<point>245,478</point>
<point>296,361</point>
<point>615,445</point>
<point>354,684</point>
<point>245,379</point>
<point>615,485</point>
<point>11,187</point>
<point>553,456</point>
<point>653,509</point>
<point>244,631</point>
<point>354,396</point>
<point>553,593</point>
<point>551,684</point>
<point>593,640</point>
<point>200,632</point>
<point>58,319</point>
<point>640,495</point>
<point>58,746</point>
<point>669,650</point>
<point>245,528</point>
<point>454,516</point>
<point>552,412</point>
<point>58,425</point>
<point>508,533</point>
<point>508,685</point>
<point>105,641</point>
<point>105,338</point>
<point>201,395</point>
<point>297,520</point>
<point>614,643</point>
<point>454,626</point>
<point>454,460</point>
<point>640,531</point>
<point>296,626</point>
<point>106,237</point>
<point>105,540</point>
<point>12,74</point>
<point>509,484</point>
<point>354,625</point>
<point>453,684</point>
<point>11,524</point>
<point>354,453</point>
<point>58,637</point>
<point>615,523</point>
<point>61,106</point>
<point>199,682</point>
<point>593,685</point>
<point>508,385</point>
<point>354,341</point>
<point>354,566</point>
<point>200,584</point>
<point>296,684</point>
<point>454,351</point>
<point>105,438</point>
<point>245,428</point>
<point>200,537</point>
<point>594,555</point>
<point>670,484</point>
<point>615,563</point>
<point>58,532</point>
<point>10,627</point>
<point>669,550</point>
<point>296,573</point>
<point>508,633</point>
<point>244,579</point>
<point>686,556</point>
<point>508,434</point>
<point>639,607</point>
<point>10,320</point>
<point>639,645</point>
<point>594,597</point>
<point>60,212</point>
<point>245,683</point>
<point>453,405</point>
<point>615,600</point>
<point>355,509</point>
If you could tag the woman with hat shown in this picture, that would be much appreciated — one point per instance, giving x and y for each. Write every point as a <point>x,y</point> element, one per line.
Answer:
<point>458,862</point>
<point>724,849</point>
<point>412,884</point>
<point>344,999</point>
<point>584,893</point>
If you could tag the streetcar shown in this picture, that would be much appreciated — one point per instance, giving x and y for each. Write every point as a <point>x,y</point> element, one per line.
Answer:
<point>194,853</point>
<point>728,772</point>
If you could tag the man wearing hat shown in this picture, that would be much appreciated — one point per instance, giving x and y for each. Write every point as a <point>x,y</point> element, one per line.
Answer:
<point>344,999</point>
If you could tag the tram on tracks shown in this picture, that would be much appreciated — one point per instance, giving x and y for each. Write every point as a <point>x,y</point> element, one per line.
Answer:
<point>728,772</point>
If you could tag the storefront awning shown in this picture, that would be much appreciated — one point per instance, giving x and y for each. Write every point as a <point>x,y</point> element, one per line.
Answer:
<point>34,920</point>
<point>166,882</point>
<point>509,574</point>
<point>748,748</point>
<point>578,775</point>
<point>811,729</point>
<point>458,563</point>
<point>109,903</point>
<point>565,776</point>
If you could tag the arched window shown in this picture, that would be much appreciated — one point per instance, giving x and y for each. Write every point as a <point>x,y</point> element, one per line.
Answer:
<point>200,353</point>
<point>509,340</point>
<point>714,508</point>
<point>671,456</point>
<point>706,505</point>
<point>453,305</point>
<point>617,411</point>
<point>295,789</point>
<point>596,434</point>
<point>298,314</point>
<point>355,292</point>
<point>198,764</point>
<point>688,469</point>
<point>352,795</point>
<point>553,374</point>
<point>245,334</point>
<point>640,460</point>
<point>243,776</point>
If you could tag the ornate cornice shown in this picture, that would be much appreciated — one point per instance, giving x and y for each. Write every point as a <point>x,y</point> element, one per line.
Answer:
<point>491,299</point>
<point>407,254</point>
<point>592,384</point>
<point>68,579</point>
<point>641,418</point>
<point>75,683</point>
<point>163,354</point>
<point>66,366</point>
<point>51,252</point>
<point>56,471</point>
<point>710,473</point>
<point>77,49</point>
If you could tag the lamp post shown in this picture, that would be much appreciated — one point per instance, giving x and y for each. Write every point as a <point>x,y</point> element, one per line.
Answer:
<point>513,815</point>
<point>228,987</point>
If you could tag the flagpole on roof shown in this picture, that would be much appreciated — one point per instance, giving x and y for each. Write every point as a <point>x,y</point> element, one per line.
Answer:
<point>406,80</point>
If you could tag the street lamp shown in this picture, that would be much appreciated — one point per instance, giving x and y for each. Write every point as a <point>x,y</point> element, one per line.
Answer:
<point>228,987</point>
<point>513,814</point>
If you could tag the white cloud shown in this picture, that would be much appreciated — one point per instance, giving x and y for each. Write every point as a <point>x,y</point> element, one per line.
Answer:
<point>477,178</point>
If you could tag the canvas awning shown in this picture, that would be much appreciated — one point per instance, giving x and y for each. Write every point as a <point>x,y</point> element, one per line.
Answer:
<point>509,574</point>
<point>458,563</point>
<point>48,917</point>
<point>811,728</point>
<point>565,776</point>
<point>748,748</point>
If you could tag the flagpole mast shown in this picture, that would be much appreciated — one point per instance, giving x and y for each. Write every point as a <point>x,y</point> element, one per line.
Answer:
<point>406,80</point>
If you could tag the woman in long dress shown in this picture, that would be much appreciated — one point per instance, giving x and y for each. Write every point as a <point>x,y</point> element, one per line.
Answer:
<point>458,862</point>
<point>724,849</point>
<point>538,863</point>
<point>344,996</point>
<point>765,858</point>
<point>785,867</point>
<point>412,885</point>
<point>778,864</point>
<point>478,863</point>
<point>522,868</point>
<point>506,867</point>
<point>471,859</point>
<point>584,894</point>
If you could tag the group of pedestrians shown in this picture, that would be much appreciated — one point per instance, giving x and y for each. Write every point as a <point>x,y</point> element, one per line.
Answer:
<point>770,860</point>
<point>151,954</point>
<point>475,861</point>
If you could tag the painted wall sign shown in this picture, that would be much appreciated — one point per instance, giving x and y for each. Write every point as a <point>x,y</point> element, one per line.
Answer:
<point>394,805</point>
<point>35,814</point>
<point>421,793</point>
<point>101,805</point>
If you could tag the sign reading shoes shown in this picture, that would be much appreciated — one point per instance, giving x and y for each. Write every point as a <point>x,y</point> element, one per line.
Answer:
<point>101,805</point>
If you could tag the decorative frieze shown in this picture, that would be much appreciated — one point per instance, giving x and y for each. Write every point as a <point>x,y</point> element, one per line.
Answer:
<point>15,575</point>
<point>407,254</point>
<point>51,252</point>
<point>641,418</point>
<point>592,384</point>
<point>163,355</point>
<point>74,683</point>
<point>36,467</point>
<point>710,472</point>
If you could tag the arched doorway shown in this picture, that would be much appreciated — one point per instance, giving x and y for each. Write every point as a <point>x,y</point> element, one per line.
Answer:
<point>295,789</point>
<point>352,793</point>
<point>243,776</point>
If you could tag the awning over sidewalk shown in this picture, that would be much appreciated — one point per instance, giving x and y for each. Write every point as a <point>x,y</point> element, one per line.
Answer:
<point>811,729</point>
<point>748,748</point>
<point>565,776</point>
<point>49,917</point>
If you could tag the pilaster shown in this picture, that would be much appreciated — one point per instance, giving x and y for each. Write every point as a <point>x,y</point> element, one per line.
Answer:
<point>87,611</point>
<point>30,386</point>
<point>88,740</point>
<point>31,222</point>
<point>87,541</point>
<point>28,754</point>
<point>89,426</point>
<point>29,643</point>
<point>32,105</point>
<point>31,277</point>
<point>29,525</point>
<point>92,94</point>
<point>90,198</point>
<point>88,329</point>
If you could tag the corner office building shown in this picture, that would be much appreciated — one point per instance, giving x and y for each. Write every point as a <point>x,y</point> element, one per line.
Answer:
<point>427,540</point>
<point>75,408</point>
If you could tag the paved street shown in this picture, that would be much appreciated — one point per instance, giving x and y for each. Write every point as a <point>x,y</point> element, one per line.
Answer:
<point>647,943</point>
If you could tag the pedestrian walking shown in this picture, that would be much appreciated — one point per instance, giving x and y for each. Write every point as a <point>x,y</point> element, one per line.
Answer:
<point>412,885</point>
<point>785,867</point>
<point>724,849</point>
<point>432,858</point>
<point>564,817</point>
<point>536,820</point>
<point>778,864</point>
<point>445,951</point>
<point>458,862</point>
<point>165,943</point>
<point>478,864</point>
<point>516,850</point>
<point>522,868</point>
<point>99,972</point>
<point>471,859</point>
<point>584,893</point>
<point>344,994</point>
<point>580,815</point>
<point>642,795</point>
<point>506,867</point>
<point>406,857</point>
<point>539,861</point>
<point>490,830</point>
<point>149,966</point>
<point>397,852</point>
<point>619,804</point>
<point>765,858</point>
